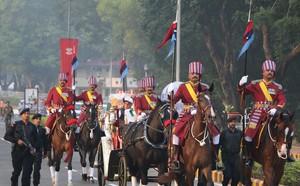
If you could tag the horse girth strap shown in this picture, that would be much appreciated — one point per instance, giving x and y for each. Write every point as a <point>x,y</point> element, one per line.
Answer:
<point>191,92</point>
<point>265,91</point>
<point>59,91</point>
<point>150,103</point>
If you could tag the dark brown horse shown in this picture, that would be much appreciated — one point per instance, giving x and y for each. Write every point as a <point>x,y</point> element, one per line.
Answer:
<point>196,150</point>
<point>145,144</point>
<point>62,140</point>
<point>270,149</point>
<point>89,139</point>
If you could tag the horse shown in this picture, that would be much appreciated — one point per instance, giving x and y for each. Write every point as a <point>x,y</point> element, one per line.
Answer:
<point>196,149</point>
<point>145,144</point>
<point>270,148</point>
<point>89,139</point>
<point>62,140</point>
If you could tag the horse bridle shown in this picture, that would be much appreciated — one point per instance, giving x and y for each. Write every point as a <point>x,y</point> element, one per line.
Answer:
<point>274,140</point>
<point>146,126</point>
<point>205,121</point>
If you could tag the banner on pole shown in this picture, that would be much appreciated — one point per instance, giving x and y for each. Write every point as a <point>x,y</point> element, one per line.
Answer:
<point>68,51</point>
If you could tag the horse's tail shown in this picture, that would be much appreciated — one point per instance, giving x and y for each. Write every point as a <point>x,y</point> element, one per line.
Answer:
<point>69,154</point>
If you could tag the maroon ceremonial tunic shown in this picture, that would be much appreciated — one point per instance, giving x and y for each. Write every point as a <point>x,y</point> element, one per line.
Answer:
<point>261,103</point>
<point>184,95</point>
<point>96,98</point>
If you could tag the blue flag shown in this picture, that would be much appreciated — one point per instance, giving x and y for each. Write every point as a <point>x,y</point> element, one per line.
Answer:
<point>248,38</point>
<point>172,45</point>
<point>75,63</point>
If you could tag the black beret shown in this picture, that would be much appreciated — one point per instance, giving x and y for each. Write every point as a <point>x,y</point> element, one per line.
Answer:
<point>36,116</point>
<point>24,110</point>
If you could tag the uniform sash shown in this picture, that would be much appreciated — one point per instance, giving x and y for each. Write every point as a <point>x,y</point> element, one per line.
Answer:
<point>265,91</point>
<point>150,103</point>
<point>59,91</point>
<point>90,96</point>
<point>191,92</point>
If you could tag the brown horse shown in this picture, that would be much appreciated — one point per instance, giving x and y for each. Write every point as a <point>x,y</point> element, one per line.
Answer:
<point>196,150</point>
<point>270,149</point>
<point>62,140</point>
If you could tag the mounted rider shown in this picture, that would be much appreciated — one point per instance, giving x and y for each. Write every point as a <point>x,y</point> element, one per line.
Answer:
<point>147,101</point>
<point>268,96</point>
<point>188,93</point>
<point>89,97</point>
<point>59,98</point>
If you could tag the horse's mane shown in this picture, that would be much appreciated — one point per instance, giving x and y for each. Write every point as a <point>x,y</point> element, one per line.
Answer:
<point>157,107</point>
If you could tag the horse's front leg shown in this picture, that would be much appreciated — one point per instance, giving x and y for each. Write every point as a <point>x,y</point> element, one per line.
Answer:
<point>51,166</point>
<point>70,171</point>
<point>57,159</point>
<point>82,154</point>
<point>207,174</point>
<point>269,174</point>
<point>162,169</point>
<point>190,175</point>
<point>144,171</point>
<point>92,156</point>
<point>246,173</point>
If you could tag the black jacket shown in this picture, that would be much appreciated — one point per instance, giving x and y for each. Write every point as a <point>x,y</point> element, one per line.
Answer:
<point>230,142</point>
<point>42,139</point>
<point>25,132</point>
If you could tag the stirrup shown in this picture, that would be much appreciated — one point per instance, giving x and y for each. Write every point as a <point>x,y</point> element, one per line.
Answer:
<point>175,166</point>
<point>248,162</point>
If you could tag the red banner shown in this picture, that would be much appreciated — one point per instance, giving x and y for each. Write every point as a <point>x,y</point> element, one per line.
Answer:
<point>68,50</point>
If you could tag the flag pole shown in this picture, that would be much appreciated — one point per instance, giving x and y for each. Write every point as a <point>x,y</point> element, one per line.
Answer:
<point>178,19</point>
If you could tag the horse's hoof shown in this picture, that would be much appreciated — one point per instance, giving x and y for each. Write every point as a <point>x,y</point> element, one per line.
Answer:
<point>84,177</point>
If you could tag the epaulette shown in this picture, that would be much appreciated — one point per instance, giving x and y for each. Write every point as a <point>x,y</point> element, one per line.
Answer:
<point>255,81</point>
<point>204,84</point>
<point>278,85</point>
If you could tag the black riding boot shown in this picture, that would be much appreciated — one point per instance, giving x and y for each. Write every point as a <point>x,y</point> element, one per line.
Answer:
<point>289,146</point>
<point>175,164</point>
<point>76,148</point>
<point>215,158</point>
<point>174,167</point>
<point>247,154</point>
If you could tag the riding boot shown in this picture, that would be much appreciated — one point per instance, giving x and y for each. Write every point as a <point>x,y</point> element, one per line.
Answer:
<point>215,157</point>
<point>289,146</point>
<point>174,167</point>
<point>247,154</point>
<point>76,148</point>
<point>175,164</point>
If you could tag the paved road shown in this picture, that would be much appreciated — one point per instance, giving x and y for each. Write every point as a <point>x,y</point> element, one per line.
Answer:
<point>6,167</point>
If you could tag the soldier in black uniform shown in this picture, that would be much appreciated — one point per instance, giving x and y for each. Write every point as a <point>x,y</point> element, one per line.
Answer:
<point>23,135</point>
<point>41,148</point>
<point>230,142</point>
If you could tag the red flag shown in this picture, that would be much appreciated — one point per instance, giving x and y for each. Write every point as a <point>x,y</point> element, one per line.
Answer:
<point>168,35</point>
<point>68,51</point>
<point>248,32</point>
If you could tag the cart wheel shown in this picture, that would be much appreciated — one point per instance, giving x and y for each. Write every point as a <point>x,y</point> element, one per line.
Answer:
<point>101,179</point>
<point>122,171</point>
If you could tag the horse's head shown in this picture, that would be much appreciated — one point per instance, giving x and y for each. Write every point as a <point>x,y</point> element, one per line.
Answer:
<point>91,112</point>
<point>205,109</point>
<point>161,115</point>
<point>282,130</point>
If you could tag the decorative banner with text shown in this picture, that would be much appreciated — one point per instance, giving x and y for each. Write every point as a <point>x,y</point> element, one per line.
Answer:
<point>68,50</point>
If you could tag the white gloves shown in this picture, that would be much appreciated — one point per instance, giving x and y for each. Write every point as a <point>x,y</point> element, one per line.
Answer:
<point>141,116</point>
<point>73,87</point>
<point>272,111</point>
<point>243,80</point>
<point>193,111</point>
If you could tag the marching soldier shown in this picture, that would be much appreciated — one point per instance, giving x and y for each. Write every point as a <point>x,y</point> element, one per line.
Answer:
<point>147,101</point>
<point>23,135</point>
<point>268,97</point>
<point>89,97</point>
<point>41,148</point>
<point>230,141</point>
<point>59,97</point>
